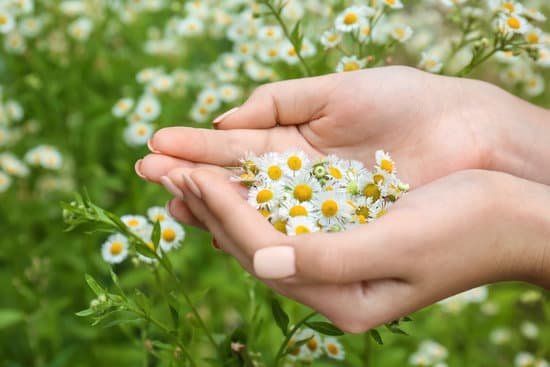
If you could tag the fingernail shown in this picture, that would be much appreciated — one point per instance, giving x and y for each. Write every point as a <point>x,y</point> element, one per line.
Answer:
<point>171,187</point>
<point>275,262</point>
<point>137,168</point>
<point>150,146</point>
<point>219,119</point>
<point>191,185</point>
<point>215,244</point>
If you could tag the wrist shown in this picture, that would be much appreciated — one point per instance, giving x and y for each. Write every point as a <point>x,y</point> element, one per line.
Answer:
<point>516,135</point>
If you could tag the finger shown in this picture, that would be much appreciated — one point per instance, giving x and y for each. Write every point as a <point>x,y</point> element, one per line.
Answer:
<point>247,228</point>
<point>179,211</point>
<point>363,253</point>
<point>153,166</point>
<point>288,102</point>
<point>223,148</point>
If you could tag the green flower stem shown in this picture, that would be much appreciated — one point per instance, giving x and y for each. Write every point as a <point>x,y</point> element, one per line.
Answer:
<point>475,63</point>
<point>293,331</point>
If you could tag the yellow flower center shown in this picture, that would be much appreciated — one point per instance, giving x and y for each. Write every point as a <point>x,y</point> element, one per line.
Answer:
<point>378,178</point>
<point>332,349</point>
<point>513,23</point>
<point>265,212</point>
<point>532,38</point>
<point>294,162</point>
<point>263,196</point>
<point>399,32</point>
<point>350,18</point>
<point>291,52</point>
<point>351,66</point>
<point>133,222</point>
<point>301,229</point>
<point>509,7</point>
<point>386,165</point>
<point>142,131</point>
<point>335,172</point>
<point>116,248</point>
<point>312,344</point>
<point>361,219</point>
<point>372,191</point>
<point>272,52</point>
<point>329,208</point>
<point>169,235</point>
<point>365,30</point>
<point>209,100</point>
<point>159,218</point>
<point>333,38</point>
<point>280,225</point>
<point>303,192</point>
<point>297,210</point>
<point>363,211</point>
<point>274,172</point>
<point>3,19</point>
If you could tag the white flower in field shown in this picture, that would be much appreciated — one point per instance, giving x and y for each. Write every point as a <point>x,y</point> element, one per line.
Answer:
<point>293,10</point>
<point>331,38</point>
<point>23,6</point>
<point>148,107</point>
<point>505,6</point>
<point>332,209</point>
<point>115,249</point>
<point>393,4</point>
<point>270,33</point>
<point>269,53</point>
<point>5,182</point>
<point>31,26</point>
<point>15,43</point>
<point>134,222</point>
<point>81,29</point>
<point>302,187</point>
<point>293,208</point>
<point>158,214</point>
<point>162,83</point>
<point>430,62</point>
<point>507,57</point>
<point>512,23</point>
<point>534,36</point>
<point>14,110</point>
<point>200,113</point>
<point>147,75</point>
<point>123,107</point>
<point>350,63</point>
<point>451,3</point>
<point>333,348</point>
<point>529,330</point>
<point>288,53</point>
<point>384,161</point>
<point>135,118</point>
<point>314,346</point>
<point>534,85</point>
<point>401,32</point>
<point>534,14</point>
<point>272,167</point>
<point>295,162</point>
<point>350,19</point>
<point>199,9</point>
<point>378,209</point>
<point>515,73</point>
<point>138,133</point>
<point>264,196</point>
<point>45,156</point>
<point>308,48</point>
<point>544,57</point>
<point>230,60</point>
<point>245,50</point>
<point>210,99</point>
<point>190,26</point>
<point>524,359</point>
<point>500,336</point>
<point>365,31</point>
<point>171,235</point>
<point>257,72</point>
<point>301,225</point>
<point>72,7</point>
<point>13,166</point>
<point>7,21</point>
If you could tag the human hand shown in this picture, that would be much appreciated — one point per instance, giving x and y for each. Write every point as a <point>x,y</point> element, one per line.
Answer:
<point>467,229</point>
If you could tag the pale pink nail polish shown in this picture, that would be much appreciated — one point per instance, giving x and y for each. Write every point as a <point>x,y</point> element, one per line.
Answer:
<point>137,168</point>
<point>191,185</point>
<point>150,146</point>
<point>220,118</point>
<point>171,187</point>
<point>275,262</point>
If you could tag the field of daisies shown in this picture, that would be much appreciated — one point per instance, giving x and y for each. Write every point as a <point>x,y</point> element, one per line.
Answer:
<point>84,84</point>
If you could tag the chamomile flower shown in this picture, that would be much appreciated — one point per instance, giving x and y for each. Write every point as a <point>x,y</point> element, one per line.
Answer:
<point>301,225</point>
<point>524,359</point>
<point>534,14</point>
<point>505,6</point>
<point>14,110</point>
<point>534,36</point>
<point>123,107</point>
<point>368,186</point>
<point>350,63</point>
<point>264,196</point>
<point>134,222</point>
<point>295,162</point>
<point>365,31</point>
<point>401,32</point>
<point>45,156</point>
<point>269,53</point>
<point>200,113</point>
<point>384,161</point>
<point>288,53</point>
<point>138,133</point>
<point>543,58</point>
<point>158,214</point>
<point>335,168</point>
<point>302,187</point>
<point>350,19</point>
<point>148,107</point>
<point>81,29</point>
<point>115,249</point>
<point>534,85</point>
<point>147,75</point>
<point>332,210</point>
<point>7,21</point>
<point>210,99</point>
<point>5,182</point>
<point>512,23</point>
<point>229,93</point>
<point>314,345</point>
<point>430,62</point>
<point>393,4</point>
<point>272,167</point>
<point>171,235</point>
<point>294,208</point>
<point>331,38</point>
<point>333,348</point>
<point>270,33</point>
<point>13,166</point>
<point>162,83</point>
<point>190,26</point>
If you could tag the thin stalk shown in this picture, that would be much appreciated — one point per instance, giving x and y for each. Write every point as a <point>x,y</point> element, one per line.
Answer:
<point>289,336</point>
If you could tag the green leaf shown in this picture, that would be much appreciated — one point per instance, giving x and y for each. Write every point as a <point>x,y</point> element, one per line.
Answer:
<point>155,236</point>
<point>296,37</point>
<point>325,328</point>
<point>9,317</point>
<point>281,318</point>
<point>86,312</point>
<point>142,301</point>
<point>94,286</point>
<point>375,335</point>
<point>394,328</point>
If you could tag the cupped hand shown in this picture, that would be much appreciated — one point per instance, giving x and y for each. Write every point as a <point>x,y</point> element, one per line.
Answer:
<point>458,232</point>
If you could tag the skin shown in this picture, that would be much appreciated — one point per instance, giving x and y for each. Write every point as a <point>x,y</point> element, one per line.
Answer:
<point>461,144</point>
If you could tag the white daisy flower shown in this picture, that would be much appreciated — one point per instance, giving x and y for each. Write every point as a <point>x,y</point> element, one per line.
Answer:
<point>332,209</point>
<point>5,182</point>
<point>200,113</point>
<point>393,4</point>
<point>368,187</point>
<point>158,214</point>
<point>15,43</point>
<point>365,31</point>
<point>308,48</point>
<point>272,167</point>
<point>171,235</point>
<point>162,83</point>
<point>335,167</point>
<point>148,107</point>
<point>534,36</point>
<point>302,187</point>
<point>350,19</point>
<point>13,166</point>
<point>524,359</point>
<point>147,75</point>
<point>544,57</point>
<point>500,336</point>
<point>401,32</point>
<point>115,249</point>
<point>135,222</point>
<point>384,161</point>
<point>81,29</point>
<point>45,156</point>
<point>7,21</point>
<point>301,225</point>
<point>294,208</point>
<point>264,196</point>
<point>534,14</point>
<point>529,330</point>
<point>505,6</point>
<point>72,7</point>
<point>269,53</point>
<point>295,162</point>
<point>534,85</point>
<point>229,93</point>
<point>190,26</point>
<point>210,99</point>
<point>138,133</point>
<point>331,38</point>
<point>288,54</point>
<point>333,348</point>
<point>270,33</point>
<point>430,62</point>
<point>512,23</point>
<point>314,346</point>
<point>350,63</point>
<point>14,110</point>
<point>123,107</point>
<point>245,50</point>
<point>507,57</point>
